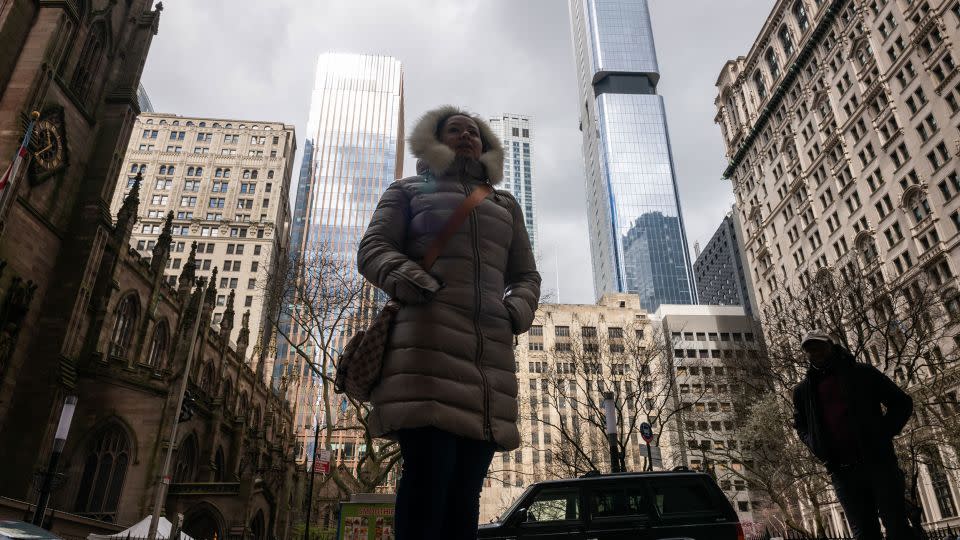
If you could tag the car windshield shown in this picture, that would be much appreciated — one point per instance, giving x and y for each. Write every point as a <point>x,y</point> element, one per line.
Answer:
<point>513,506</point>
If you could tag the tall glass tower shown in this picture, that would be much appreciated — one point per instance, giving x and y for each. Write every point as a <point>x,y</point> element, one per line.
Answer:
<point>637,238</point>
<point>515,133</point>
<point>353,151</point>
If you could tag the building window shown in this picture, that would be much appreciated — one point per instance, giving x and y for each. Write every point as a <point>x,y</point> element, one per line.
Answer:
<point>760,84</point>
<point>123,326</point>
<point>158,346</point>
<point>919,207</point>
<point>786,40</point>
<point>940,483</point>
<point>104,470</point>
<point>800,12</point>
<point>91,58</point>
<point>186,464</point>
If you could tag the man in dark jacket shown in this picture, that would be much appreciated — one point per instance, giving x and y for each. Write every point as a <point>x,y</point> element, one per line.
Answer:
<point>848,413</point>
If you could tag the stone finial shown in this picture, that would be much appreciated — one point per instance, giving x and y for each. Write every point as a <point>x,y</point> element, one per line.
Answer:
<point>272,349</point>
<point>243,337</point>
<point>161,251</point>
<point>210,298</point>
<point>188,276</point>
<point>127,215</point>
<point>195,300</point>
<point>226,324</point>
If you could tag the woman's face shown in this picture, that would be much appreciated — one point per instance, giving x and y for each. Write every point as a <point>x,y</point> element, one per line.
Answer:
<point>462,135</point>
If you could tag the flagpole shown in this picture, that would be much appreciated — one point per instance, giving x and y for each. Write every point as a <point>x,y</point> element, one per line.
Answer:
<point>8,182</point>
<point>165,479</point>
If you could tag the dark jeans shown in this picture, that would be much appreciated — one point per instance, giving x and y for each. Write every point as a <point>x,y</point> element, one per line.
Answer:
<point>438,496</point>
<point>871,489</point>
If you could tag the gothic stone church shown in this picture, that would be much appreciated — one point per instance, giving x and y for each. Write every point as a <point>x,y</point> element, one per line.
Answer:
<point>83,315</point>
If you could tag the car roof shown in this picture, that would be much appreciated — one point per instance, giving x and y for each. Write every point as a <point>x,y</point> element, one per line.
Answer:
<point>608,477</point>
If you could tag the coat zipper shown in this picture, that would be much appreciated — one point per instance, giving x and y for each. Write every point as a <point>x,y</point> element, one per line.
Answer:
<point>487,428</point>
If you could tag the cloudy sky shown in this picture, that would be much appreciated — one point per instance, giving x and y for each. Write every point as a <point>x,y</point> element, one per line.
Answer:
<point>254,60</point>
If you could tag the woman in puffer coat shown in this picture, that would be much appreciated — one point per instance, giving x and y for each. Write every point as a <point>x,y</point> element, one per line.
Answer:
<point>448,391</point>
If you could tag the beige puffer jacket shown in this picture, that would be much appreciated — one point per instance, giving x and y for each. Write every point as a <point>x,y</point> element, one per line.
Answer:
<point>450,362</point>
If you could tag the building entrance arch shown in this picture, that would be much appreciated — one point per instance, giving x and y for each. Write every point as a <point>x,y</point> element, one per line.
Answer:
<point>204,522</point>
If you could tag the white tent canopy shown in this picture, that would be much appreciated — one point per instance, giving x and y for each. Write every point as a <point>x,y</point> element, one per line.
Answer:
<point>142,530</point>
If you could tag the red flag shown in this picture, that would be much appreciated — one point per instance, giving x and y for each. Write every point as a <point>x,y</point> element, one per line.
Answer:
<point>22,153</point>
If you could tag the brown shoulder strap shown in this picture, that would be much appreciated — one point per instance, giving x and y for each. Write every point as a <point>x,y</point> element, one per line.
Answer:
<point>433,252</point>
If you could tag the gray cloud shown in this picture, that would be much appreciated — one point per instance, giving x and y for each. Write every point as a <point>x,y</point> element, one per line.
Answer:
<point>255,60</point>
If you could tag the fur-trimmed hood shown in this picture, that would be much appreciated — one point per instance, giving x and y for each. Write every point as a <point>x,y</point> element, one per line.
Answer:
<point>438,157</point>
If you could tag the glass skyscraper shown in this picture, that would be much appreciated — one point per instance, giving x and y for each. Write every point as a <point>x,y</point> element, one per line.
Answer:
<point>515,133</point>
<point>353,151</point>
<point>637,238</point>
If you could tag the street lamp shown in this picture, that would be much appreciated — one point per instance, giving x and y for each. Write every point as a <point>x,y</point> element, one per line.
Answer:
<point>610,413</point>
<point>60,439</point>
<point>313,473</point>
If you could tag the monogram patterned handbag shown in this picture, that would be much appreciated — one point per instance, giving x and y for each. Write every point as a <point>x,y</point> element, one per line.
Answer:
<point>360,365</point>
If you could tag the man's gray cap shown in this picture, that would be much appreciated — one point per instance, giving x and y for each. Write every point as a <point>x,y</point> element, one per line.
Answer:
<point>816,335</point>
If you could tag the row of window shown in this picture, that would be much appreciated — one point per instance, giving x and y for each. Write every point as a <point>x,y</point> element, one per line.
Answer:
<point>190,123</point>
<point>192,171</point>
<point>208,137</point>
<point>586,332</point>
<point>176,149</point>
<point>216,187</point>
<point>712,336</point>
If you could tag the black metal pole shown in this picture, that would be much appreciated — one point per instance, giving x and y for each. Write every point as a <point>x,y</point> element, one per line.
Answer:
<point>44,498</point>
<point>649,457</point>
<point>610,417</point>
<point>59,440</point>
<point>614,454</point>
<point>313,470</point>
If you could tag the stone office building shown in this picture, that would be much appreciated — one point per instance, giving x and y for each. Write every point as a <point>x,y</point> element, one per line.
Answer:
<point>82,315</point>
<point>227,183</point>
<point>841,126</point>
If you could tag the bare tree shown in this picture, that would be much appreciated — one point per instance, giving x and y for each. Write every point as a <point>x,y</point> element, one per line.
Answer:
<point>901,325</point>
<point>316,302</point>
<point>631,362</point>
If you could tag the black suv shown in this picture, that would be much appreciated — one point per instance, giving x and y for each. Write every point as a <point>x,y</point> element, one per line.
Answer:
<point>676,505</point>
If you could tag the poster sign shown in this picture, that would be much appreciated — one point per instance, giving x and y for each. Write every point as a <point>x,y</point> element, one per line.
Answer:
<point>322,462</point>
<point>366,521</point>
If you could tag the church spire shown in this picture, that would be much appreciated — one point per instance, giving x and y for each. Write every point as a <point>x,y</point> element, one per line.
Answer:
<point>188,276</point>
<point>210,298</point>
<point>161,251</point>
<point>243,337</point>
<point>226,324</point>
<point>127,215</point>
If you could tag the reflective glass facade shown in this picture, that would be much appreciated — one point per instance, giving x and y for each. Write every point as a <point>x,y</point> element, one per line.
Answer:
<point>515,132</point>
<point>353,152</point>
<point>637,238</point>
<point>355,137</point>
